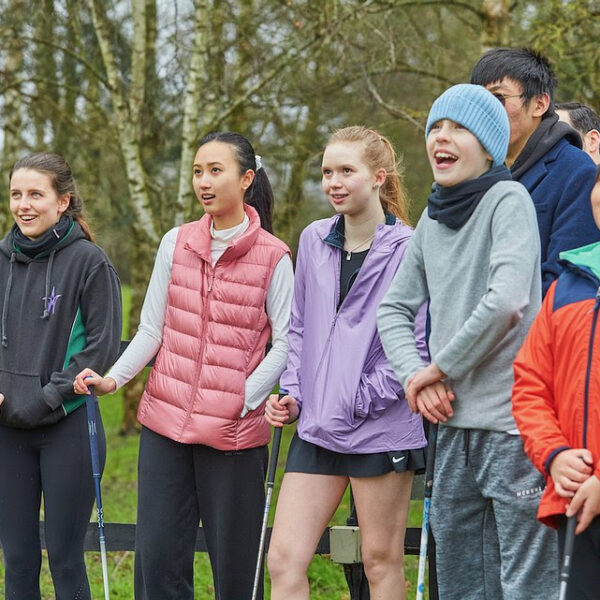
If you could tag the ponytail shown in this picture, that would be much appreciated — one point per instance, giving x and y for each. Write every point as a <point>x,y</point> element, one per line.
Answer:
<point>380,154</point>
<point>260,194</point>
<point>392,194</point>
<point>63,183</point>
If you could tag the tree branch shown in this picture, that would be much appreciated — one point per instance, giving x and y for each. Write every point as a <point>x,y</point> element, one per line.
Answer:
<point>77,57</point>
<point>138,60</point>
<point>395,111</point>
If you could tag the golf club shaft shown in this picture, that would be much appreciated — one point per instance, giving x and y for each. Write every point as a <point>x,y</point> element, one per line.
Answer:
<point>567,555</point>
<point>423,549</point>
<point>270,485</point>
<point>426,506</point>
<point>104,567</point>
<point>261,546</point>
<point>90,404</point>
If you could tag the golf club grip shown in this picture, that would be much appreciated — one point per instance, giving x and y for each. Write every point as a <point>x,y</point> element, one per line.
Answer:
<point>430,460</point>
<point>90,407</point>
<point>274,454</point>
<point>567,555</point>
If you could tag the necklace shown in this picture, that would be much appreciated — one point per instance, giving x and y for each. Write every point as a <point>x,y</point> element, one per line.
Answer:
<point>351,250</point>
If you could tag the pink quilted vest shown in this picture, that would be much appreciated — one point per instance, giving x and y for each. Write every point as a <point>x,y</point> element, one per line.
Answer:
<point>214,336</point>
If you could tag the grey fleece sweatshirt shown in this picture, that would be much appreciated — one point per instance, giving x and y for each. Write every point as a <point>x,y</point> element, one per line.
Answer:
<point>483,282</point>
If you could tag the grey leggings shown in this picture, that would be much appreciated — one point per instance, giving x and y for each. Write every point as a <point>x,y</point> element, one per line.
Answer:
<point>52,461</point>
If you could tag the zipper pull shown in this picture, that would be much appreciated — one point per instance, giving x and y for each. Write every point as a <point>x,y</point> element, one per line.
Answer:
<point>211,279</point>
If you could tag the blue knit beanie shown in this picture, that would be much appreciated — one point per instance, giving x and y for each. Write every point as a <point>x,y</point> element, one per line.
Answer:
<point>473,107</point>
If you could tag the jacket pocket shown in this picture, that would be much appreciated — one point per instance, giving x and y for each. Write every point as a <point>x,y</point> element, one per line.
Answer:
<point>24,406</point>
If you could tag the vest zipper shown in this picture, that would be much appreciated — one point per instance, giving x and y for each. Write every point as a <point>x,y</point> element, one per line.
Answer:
<point>211,279</point>
<point>202,345</point>
<point>589,368</point>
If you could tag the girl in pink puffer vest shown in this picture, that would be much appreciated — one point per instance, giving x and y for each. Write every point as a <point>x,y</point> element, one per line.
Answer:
<point>220,289</point>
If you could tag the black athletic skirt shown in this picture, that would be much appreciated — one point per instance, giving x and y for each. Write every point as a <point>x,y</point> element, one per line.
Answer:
<point>305,457</point>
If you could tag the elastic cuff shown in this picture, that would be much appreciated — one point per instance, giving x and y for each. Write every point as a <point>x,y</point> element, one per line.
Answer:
<point>299,411</point>
<point>51,396</point>
<point>552,456</point>
<point>447,370</point>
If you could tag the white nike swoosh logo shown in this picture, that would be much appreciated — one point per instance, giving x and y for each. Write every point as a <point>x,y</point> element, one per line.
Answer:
<point>397,460</point>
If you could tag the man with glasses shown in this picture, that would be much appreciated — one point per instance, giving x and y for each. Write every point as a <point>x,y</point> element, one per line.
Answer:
<point>543,154</point>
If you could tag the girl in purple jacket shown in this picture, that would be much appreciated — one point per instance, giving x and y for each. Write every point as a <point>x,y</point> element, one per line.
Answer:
<point>354,425</point>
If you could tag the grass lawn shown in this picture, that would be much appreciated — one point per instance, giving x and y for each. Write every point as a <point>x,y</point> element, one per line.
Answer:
<point>119,496</point>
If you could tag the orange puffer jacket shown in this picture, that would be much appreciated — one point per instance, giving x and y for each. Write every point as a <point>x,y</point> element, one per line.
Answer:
<point>556,394</point>
<point>215,333</point>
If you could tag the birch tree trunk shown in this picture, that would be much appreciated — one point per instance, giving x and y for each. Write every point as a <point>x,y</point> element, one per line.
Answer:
<point>12,109</point>
<point>127,109</point>
<point>191,110</point>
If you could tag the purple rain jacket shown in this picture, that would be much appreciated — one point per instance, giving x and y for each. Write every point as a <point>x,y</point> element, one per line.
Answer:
<point>350,399</point>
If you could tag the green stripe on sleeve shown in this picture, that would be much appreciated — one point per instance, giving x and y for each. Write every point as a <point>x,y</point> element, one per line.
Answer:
<point>77,341</point>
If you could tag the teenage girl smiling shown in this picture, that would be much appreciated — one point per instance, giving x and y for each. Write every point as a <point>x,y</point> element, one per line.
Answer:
<point>354,423</point>
<point>220,289</point>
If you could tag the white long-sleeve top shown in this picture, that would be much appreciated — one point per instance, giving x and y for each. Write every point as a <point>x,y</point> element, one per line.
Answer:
<point>148,338</point>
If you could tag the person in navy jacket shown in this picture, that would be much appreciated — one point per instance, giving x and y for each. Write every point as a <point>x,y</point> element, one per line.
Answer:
<point>544,154</point>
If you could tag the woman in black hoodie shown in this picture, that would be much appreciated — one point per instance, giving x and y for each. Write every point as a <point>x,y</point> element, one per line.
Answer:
<point>61,311</point>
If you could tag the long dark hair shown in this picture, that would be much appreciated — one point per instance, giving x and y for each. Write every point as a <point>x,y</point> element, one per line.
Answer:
<point>260,194</point>
<point>62,180</point>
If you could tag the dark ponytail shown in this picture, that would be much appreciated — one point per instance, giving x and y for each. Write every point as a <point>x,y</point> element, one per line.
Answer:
<point>259,195</point>
<point>62,182</point>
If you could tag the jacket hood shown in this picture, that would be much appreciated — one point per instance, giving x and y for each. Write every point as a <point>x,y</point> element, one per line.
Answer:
<point>587,257</point>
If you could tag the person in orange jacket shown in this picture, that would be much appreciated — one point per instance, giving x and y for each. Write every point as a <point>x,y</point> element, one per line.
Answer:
<point>556,404</point>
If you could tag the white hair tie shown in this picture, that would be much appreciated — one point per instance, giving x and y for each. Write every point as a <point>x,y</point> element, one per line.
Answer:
<point>258,159</point>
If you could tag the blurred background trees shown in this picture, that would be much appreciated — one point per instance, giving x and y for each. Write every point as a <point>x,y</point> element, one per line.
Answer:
<point>125,88</point>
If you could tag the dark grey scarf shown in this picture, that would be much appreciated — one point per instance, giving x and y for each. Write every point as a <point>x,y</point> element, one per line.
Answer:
<point>454,205</point>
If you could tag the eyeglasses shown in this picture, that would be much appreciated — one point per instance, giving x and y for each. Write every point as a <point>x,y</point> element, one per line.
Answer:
<point>504,97</point>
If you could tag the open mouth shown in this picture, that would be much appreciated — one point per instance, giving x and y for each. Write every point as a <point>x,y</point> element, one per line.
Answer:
<point>444,158</point>
<point>338,197</point>
<point>207,197</point>
<point>27,218</point>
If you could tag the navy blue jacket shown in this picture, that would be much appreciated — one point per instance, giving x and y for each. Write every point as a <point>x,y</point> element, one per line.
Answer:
<point>560,184</point>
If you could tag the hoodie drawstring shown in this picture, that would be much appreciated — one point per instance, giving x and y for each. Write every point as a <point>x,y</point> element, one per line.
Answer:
<point>13,257</point>
<point>46,314</point>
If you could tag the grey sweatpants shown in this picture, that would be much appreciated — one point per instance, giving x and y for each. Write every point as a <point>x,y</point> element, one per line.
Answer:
<point>483,517</point>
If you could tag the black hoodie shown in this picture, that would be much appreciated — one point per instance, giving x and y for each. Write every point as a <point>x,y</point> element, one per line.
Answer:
<point>61,312</point>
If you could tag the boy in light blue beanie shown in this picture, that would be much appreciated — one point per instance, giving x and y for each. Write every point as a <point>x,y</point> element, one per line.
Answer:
<point>475,254</point>
<point>473,107</point>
